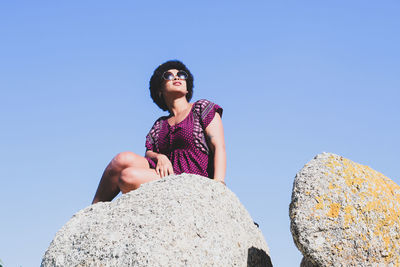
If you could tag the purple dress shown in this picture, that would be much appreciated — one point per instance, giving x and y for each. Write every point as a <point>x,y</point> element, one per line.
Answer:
<point>185,143</point>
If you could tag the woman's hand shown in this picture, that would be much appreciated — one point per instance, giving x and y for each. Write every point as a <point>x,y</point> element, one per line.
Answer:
<point>164,166</point>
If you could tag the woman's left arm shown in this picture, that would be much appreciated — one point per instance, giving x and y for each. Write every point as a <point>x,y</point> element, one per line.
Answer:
<point>215,135</point>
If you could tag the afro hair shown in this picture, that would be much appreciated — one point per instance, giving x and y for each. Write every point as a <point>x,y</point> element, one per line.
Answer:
<point>156,82</point>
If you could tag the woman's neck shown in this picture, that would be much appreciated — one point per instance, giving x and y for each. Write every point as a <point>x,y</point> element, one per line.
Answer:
<point>178,105</point>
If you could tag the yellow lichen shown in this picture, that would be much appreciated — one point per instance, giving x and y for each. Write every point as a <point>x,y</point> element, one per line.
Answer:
<point>320,203</point>
<point>375,194</point>
<point>334,210</point>
<point>339,248</point>
<point>348,217</point>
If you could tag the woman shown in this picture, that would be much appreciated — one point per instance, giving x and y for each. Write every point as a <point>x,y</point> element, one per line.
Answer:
<point>190,139</point>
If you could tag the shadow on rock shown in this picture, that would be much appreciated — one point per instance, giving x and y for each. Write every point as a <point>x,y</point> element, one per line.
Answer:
<point>258,258</point>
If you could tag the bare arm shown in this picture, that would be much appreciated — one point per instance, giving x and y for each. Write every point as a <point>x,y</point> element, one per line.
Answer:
<point>215,134</point>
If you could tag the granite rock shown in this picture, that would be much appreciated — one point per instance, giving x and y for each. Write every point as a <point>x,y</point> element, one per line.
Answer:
<point>305,262</point>
<point>345,214</point>
<point>183,220</point>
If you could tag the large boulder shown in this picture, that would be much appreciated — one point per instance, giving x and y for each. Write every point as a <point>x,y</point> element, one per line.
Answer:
<point>345,214</point>
<point>184,220</point>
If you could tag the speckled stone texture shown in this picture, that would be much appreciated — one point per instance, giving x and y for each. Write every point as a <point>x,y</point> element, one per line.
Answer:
<point>345,214</point>
<point>184,220</point>
<point>305,262</point>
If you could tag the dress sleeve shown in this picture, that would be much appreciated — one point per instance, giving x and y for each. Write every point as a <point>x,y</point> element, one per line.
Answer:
<point>152,141</point>
<point>206,111</point>
<point>152,136</point>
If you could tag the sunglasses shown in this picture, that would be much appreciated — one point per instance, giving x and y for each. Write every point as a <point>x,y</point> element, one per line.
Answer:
<point>169,76</point>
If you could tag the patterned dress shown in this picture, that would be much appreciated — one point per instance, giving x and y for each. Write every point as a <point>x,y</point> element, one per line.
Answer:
<point>185,143</point>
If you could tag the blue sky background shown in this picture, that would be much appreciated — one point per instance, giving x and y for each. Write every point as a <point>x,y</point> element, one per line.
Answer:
<point>295,78</point>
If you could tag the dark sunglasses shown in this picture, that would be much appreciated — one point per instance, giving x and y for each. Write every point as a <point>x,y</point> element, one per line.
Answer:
<point>169,76</point>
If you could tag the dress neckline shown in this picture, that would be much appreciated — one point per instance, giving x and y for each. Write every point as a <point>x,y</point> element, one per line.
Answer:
<point>190,112</point>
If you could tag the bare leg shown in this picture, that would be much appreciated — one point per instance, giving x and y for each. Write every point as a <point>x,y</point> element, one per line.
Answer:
<point>109,184</point>
<point>132,178</point>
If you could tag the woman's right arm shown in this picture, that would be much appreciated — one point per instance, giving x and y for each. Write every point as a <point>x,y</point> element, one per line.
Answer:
<point>163,164</point>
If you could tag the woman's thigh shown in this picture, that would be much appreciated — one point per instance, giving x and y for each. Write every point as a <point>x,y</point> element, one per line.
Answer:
<point>131,178</point>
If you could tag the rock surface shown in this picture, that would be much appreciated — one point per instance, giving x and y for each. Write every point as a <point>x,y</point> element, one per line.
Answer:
<point>345,214</point>
<point>184,220</point>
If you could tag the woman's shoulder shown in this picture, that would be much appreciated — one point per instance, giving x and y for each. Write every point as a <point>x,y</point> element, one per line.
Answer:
<point>205,108</point>
<point>158,123</point>
<point>162,118</point>
<point>203,103</point>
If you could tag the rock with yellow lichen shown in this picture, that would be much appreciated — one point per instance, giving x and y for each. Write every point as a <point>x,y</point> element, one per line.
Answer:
<point>345,214</point>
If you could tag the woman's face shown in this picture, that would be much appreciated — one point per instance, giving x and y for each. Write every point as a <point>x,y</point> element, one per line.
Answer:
<point>175,85</point>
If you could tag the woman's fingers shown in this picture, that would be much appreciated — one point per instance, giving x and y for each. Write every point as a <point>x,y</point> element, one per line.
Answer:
<point>160,171</point>
<point>164,167</point>
<point>165,171</point>
<point>170,170</point>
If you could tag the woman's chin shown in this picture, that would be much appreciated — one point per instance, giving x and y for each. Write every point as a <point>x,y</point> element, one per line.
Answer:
<point>176,93</point>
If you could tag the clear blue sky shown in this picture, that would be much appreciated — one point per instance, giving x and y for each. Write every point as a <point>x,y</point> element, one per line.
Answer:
<point>295,78</point>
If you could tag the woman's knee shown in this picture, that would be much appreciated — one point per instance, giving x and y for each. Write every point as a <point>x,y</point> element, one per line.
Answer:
<point>123,160</point>
<point>128,159</point>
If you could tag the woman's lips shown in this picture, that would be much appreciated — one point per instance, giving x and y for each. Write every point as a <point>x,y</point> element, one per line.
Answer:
<point>177,83</point>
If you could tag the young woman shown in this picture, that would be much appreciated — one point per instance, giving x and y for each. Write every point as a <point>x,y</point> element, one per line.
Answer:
<point>189,140</point>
